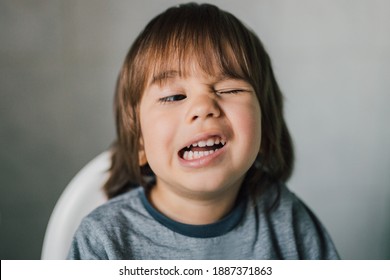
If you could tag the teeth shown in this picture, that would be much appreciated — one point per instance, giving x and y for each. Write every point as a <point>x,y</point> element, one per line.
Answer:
<point>190,155</point>
<point>209,142</point>
<point>202,143</point>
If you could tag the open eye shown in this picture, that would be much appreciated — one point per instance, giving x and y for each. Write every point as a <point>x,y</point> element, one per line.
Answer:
<point>172,98</point>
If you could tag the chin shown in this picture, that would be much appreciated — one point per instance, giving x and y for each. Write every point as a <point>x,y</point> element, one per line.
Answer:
<point>208,187</point>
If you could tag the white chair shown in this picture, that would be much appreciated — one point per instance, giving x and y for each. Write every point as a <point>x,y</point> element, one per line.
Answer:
<point>83,194</point>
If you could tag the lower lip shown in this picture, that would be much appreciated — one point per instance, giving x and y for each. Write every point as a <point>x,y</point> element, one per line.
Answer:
<point>203,161</point>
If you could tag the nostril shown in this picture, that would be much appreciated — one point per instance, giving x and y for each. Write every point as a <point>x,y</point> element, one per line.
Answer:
<point>204,108</point>
<point>209,115</point>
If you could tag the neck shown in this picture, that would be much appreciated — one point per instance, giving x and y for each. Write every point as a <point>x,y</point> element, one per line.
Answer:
<point>194,209</point>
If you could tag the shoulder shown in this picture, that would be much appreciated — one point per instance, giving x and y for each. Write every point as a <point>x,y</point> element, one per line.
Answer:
<point>279,200</point>
<point>295,227</point>
<point>94,236</point>
<point>123,211</point>
<point>117,206</point>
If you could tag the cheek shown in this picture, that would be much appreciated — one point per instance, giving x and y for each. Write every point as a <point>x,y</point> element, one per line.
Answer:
<point>248,124</point>
<point>157,139</point>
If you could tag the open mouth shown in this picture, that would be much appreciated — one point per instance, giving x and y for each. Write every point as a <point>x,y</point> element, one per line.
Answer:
<point>202,148</point>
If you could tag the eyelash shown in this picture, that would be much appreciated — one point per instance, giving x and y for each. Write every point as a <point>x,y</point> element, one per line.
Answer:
<point>172,98</point>
<point>179,97</point>
<point>233,91</point>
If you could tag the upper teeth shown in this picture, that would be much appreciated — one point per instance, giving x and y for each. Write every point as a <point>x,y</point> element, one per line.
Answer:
<point>209,142</point>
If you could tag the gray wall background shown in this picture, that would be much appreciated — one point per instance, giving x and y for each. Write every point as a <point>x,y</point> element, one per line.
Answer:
<point>58,65</point>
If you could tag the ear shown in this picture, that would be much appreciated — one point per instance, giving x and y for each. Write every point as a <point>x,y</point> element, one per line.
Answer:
<point>142,160</point>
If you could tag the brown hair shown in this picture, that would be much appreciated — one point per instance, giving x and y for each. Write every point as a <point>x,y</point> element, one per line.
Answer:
<point>218,41</point>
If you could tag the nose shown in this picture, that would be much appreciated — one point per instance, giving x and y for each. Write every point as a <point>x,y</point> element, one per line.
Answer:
<point>203,107</point>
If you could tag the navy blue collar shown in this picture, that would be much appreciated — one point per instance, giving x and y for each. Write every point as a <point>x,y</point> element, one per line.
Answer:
<point>219,228</point>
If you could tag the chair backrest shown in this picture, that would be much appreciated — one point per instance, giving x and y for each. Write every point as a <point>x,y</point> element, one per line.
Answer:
<point>83,194</point>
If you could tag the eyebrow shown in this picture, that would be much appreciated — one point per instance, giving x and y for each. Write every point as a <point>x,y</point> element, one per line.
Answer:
<point>160,77</point>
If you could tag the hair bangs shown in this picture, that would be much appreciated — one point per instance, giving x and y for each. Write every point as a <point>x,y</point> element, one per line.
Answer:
<point>180,43</point>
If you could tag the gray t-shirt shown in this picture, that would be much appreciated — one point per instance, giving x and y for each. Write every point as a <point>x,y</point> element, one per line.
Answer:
<point>128,227</point>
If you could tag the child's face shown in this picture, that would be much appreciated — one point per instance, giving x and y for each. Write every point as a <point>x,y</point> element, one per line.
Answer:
<point>200,133</point>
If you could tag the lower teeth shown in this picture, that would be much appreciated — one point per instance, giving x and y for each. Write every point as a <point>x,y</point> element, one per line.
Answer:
<point>189,155</point>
